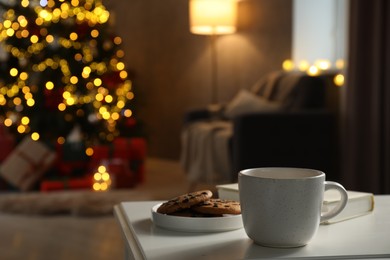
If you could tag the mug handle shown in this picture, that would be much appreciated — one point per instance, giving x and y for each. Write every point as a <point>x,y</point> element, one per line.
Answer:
<point>343,201</point>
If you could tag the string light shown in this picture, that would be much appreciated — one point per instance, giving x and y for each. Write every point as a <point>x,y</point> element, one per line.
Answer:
<point>288,65</point>
<point>313,70</point>
<point>102,179</point>
<point>339,80</point>
<point>89,151</point>
<point>317,68</point>
<point>35,136</point>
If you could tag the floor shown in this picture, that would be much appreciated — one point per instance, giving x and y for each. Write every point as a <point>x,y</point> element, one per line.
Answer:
<point>67,237</point>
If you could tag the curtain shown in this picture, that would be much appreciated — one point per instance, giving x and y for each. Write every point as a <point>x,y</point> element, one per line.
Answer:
<point>366,163</point>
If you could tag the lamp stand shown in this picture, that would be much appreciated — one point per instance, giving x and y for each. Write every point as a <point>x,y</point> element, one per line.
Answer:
<point>214,68</point>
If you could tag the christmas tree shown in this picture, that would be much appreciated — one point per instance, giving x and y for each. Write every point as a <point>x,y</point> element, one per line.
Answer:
<point>61,68</point>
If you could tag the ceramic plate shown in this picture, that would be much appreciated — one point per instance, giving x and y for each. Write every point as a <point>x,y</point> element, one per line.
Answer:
<point>188,224</point>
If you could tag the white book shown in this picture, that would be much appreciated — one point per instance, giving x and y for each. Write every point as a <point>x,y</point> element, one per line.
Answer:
<point>359,203</point>
<point>228,191</point>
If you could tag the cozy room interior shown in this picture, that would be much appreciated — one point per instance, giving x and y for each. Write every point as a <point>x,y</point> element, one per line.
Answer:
<point>172,73</point>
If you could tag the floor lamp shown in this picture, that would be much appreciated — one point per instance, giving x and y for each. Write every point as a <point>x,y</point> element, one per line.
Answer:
<point>213,18</point>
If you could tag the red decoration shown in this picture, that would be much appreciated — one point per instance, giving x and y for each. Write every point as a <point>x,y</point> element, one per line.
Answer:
<point>53,98</point>
<point>130,122</point>
<point>112,80</point>
<point>82,30</point>
<point>33,28</point>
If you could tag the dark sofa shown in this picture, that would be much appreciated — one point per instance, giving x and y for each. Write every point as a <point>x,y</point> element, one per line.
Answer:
<point>300,133</point>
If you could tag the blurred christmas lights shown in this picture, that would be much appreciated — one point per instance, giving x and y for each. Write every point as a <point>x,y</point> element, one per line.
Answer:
<point>319,67</point>
<point>102,179</point>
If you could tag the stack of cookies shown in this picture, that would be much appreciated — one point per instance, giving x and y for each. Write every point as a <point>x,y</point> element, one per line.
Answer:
<point>199,204</point>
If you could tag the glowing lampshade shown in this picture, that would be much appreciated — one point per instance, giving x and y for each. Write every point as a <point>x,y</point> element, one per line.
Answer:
<point>213,16</point>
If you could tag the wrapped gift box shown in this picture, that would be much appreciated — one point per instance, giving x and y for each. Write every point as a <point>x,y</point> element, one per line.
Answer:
<point>129,148</point>
<point>67,184</point>
<point>27,164</point>
<point>120,173</point>
<point>124,148</point>
<point>132,150</point>
<point>71,159</point>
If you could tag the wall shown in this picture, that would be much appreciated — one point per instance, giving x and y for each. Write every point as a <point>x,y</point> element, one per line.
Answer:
<point>172,67</point>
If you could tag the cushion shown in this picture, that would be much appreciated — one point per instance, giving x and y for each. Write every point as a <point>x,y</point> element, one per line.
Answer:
<point>246,102</point>
<point>286,85</point>
<point>265,85</point>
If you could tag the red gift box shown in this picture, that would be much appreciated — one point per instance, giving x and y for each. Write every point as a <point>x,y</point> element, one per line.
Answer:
<point>71,159</point>
<point>100,152</point>
<point>120,173</point>
<point>130,148</point>
<point>67,184</point>
<point>133,150</point>
<point>124,148</point>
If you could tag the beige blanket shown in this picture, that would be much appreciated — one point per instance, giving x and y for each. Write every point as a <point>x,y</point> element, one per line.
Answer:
<point>205,154</point>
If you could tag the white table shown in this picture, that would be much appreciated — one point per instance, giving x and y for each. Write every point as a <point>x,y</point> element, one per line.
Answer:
<point>363,237</point>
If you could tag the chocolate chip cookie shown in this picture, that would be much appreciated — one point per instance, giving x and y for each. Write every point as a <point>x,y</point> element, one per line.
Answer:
<point>184,201</point>
<point>218,206</point>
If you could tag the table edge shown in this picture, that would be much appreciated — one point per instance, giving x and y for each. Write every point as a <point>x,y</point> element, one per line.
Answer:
<point>128,232</point>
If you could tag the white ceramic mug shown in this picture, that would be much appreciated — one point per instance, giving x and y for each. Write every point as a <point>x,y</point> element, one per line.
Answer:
<point>281,207</point>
